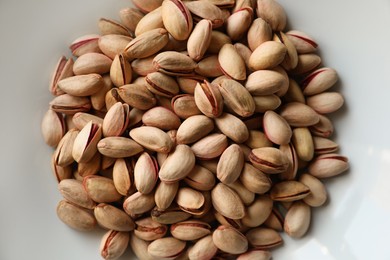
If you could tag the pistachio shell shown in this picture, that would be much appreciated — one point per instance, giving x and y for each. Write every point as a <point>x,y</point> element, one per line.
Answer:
<point>149,230</point>
<point>199,40</point>
<point>273,13</point>
<point>85,144</point>
<point>237,97</point>
<point>101,189</point>
<point>263,238</point>
<point>177,19</point>
<point>230,164</point>
<point>269,160</point>
<point>328,165</point>
<point>166,248</point>
<point>232,64</point>
<point>74,192</point>
<point>139,203</point>
<point>267,55</point>
<point>118,147</point>
<point>276,128</point>
<point>53,127</point>
<point>264,82</point>
<point>75,217</point>
<point>113,44</point>
<point>208,99</point>
<point>150,21</point>
<point>110,217</point>
<point>92,63</point>
<point>254,180</point>
<point>289,191</point>
<point>194,128</point>
<point>297,220</point>
<point>152,138</point>
<point>318,193</point>
<point>184,106</point>
<point>113,244</point>
<point>325,103</point>
<point>165,194</point>
<point>147,44</point>
<point>137,96</point>
<point>210,146</point>
<point>227,202</point>
<point>298,114</point>
<point>259,32</point>
<point>232,127</point>
<point>230,240</point>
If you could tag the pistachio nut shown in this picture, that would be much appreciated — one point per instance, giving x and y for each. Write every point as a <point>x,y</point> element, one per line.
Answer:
<point>139,247</point>
<point>237,97</point>
<point>161,84</point>
<point>166,248</point>
<point>91,167</point>
<point>244,52</point>
<point>246,196</point>
<point>210,165</point>
<point>110,217</point>
<point>258,212</point>
<point>194,128</point>
<point>232,64</point>
<point>227,202</point>
<point>81,85</point>
<point>204,248</point>
<point>318,81</point>
<point>306,63</point>
<point>291,154</point>
<point>275,220</point>
<point>85,144</point>
<point>165,194</point>
<point>324,145</point>
<point>208,99</point>
<point>328,165</point>
<point>74,192</point>
<point>288,191</point>
<point>120,71</point>
<point>299,114</point>
<point>294,93</point>
<point>139,203</point>
<point>171,215</point>
<point>101,189</point>
<point>122,175</point>
<point>113,44</point>
<point>276,128</point>
<point>184,106</point>
<point>53,127</point>
<point>291,59</point>
<point>210,146</point>
<point>137,96</point>
<point>114,244</point>
<point>273,13</point>
<point>70,105</point>
<point>297,220</point>
<point>264,82</point>
<point>200,179</point>
<point>303,143</point>
<point>130,17</point>
<point>145,173</point>
<point>116,120</point>
<point>263,238</point>
<point>63,154</point>
<point>147,229</point>
<point>147,6</point>
<point>209,67</point>
<point>259,32</point>
<point>188,84</point>
<point>239,22</point>
<point>232,127</point>
<point>199,40</point>
<point>150,21</point>
<point>269,160</point>
<point>84,44</point>
<point>324,127</point>
<point>218,39</point>
<point>205,10</point>
<point>63,69</point>
<point>267,55</point>
<point>326,102</point>
<point>174,63</point>
<point>107,26</point>
<point>318,193</point>
<point>190,200</point>
<point>60,173</point>
<point>92,63</point>
<point>257,139</point>
<point>190,230</point>
<point>254,180</point>
<point>230,164</point>
<point>147,44</point>
<point>75,217</point>
<point>302,42</point>
<point>118,147</point>
<point>98,100</point>
<point>230,240</point>
<point>112,97</point>
<point>255,254</point>
<point>152,138</point>
<point>177,19</point>
<point>143,66</point>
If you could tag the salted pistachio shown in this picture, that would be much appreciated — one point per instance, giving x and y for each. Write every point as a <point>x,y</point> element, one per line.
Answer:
<point>209,67</point>
<point>90,167</point>
<point>230,164</point>
<point>303,143</point>
<point>318,81</point>
<point>150,21</point>
<point>227,202</point>
<point>143,66</point>
<point>122,176</point>
<point>53,127</point>
<point>306,63</point>
<point>101,189</point>
<point>267,55</point>
<point>63,69</point>
<point>118,147</point>
<point>107,26</point>
<point>269,160</point>
<point>59,172</point>
<point>291,155</point>
<point>177,19</point>
<point>147,6</point>
<point>120,71</point>
<point>184,106</point>
<point>208,99</point>
<point>263,238</point>
<point>199,40</point>
<point>255,254</point>
<point>326,102</point>
<point>237,97</point>
<point>147,229</point>
<point>297,220</point>
<point>276,128</point>
<point>246,196</point>
<point>194,128</point>
<point>130,17</point>
<point>161,84</point>
<point>230,240</point>
<point>171,215</point>
<point>139,203</point>
<point>259,32</point>
<point>275,220</point>
<point>63,154</point>
<point>273,13</point>
<point>258,212</point>
<point>264,82</point>
<point>165,194</point>
<point>324,127</point>
<point>318,193</point>
<point>75,217</point>
<point>84,44</point>
<point>200,178</point>
<point>98,100</point>
<point>113,44</point>
<point>152,138</point>
<point>299,114</point>
<point>218,39</point>
<point>205,10</point>
<point>288,191</point>
<point>140,247</point>
<point>204,248</point>
<point>70,105</point>
<point>137,96</point>
<point>257,139</point>
<point>114,244</point>
<point>254,180</point>
<point>110,217</point>
<point>166,248</point>
<point>210,146</point>
<point>85,144</point>
<point>190,200</point>
<point>146,44</point>
<point>232,127</point>
<point>328,165</point>
<point>92,63</point>
<point>145,173</point>
<point>267,102</point>
<point>232,64</point>
<point>302,42</point>
<point>116,120</point>
<point>74,192</point>
<point>324,145</point>
<point>174,63</point>
<point>190,230</point>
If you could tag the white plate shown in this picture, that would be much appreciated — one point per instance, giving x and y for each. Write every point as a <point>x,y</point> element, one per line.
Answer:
<point>353,38</point>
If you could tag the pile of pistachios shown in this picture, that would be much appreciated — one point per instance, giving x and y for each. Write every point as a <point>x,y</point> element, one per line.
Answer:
<point>193,130</point>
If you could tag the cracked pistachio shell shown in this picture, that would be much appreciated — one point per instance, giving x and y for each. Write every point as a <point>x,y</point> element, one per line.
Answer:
<point>107,26</point>
<point>306,63</point>
<point>218,39</point>
<point>204,248</point>
<point>232,127</point>
<point>199,40</point>
<point>114,244</point>
<point>70,105</point>
<point>101,189</point>
<point>276,128</point>
<point>258,212</point>
<point>63,153</point>
<point>84,44</point>
<point>230,164</point>
<point>75,217</point>
<point>299,114</point>
<point>255,254</point>
<point>85,144</point>
<point>63,69</point>
<point>178,164</point>
<point>113,44</point>
<point>237,97</point>
<point>149,230</point>
<point>110,217</point>
<point>259,32</point>
<point>189,200</point>
<point>59,172</point>
<point>264,82</point>
<point>118,147</point>
<point>152,138</point>
<point>174,63</point>
<point>318,81</point>
<point>137,96</point>
<point>200,178</point>
<point>326,102</point>
<point>161,84</point>
<point>273,13</point>
<point>147,44</point>
<point>208,99</point>
<point>112,97</point>
<point>205,10</point>
<point>194,128</point>
<point>269,160</point>
<point>227,202</point>
<point>122,175</point>
<point>302,42</point>
<point>288,191</point>
<point>120,71</point>
<point>230,240</point>
<point>239,22</point>
<point>267,55</point>
<point>139,203</point>
<point>91,167</point>
<point>255,180</point>
<point>318,193</point>
<point>150,21</point>
<point>297,219</point>
<point>177,19</point>
<point>165,194</point>
<point>166,248</point>
<point>184,106</point>
<point>74,192</point>
<point>116,120</point>
<point>232,64</point>
<point>145,173</point>
<point>130,17</point>
<point>53,127</point>
<point>210,147</point>
<point>328,165</point>
<point>303,143</point>
<point>161,118</point>
<point>189,230</point>
<point>171,215</point>
<point>92,63</point>
<point>263,238</point>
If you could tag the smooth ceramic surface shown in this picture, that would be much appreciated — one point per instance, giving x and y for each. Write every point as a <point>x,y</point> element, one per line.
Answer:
<point>353,38</point>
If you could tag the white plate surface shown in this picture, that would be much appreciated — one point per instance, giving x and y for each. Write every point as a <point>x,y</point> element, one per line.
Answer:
<point>353,36</point>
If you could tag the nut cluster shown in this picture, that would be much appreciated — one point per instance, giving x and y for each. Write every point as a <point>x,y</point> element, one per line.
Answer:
<point>193,130</point>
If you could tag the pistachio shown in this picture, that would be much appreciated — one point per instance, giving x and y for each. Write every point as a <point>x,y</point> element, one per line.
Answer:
<point>122,176</point>
<point>232,64</point>
<point>63,69</point>
<point>276,128</point>
<point>53,127</point>
<point>325,103</point>
<point>85,144</point>
<point>230,164</point>
<point>210,146</point>
<point>274,220</point>
<point>150,21</point>
<point>70,105</point>
<point>149,230</point>
<point>297,220</point>
<point>273,13</point>
<point>323,145</point>
<point>146,44</point>
<point>264,82</point>
<point>152,138</point>
<point>165,194</point>
<point>194,128</point>
<point>291,154</point>
<point>255,254</point>
<point>147,6</point>
<point>110,217</point>
<point>199,40</point>
<point>226,201</point>
<point>82,85</point>
<point>302,42</point>
<point>74,192</point>
<point>306,63</point>
<point>108,26</point>
<point>63,154</point>
<point>239,22</point>
<point>254,180</point>
<point>294,93</point>
<point>112,97</point>
<point>328,165</point>
<point>184,106</point>
<point>246,196</point>
<point>177,19</point>
<point>116,120</point>
<point>143,66</point>
<point>237,97</point>
<point>205,10</point>
<point>137,96</point>
<point>299,115</point>
<point>188,84</point>
<point>140,247</point>
<point>218,39</point>
<point>130,17</point>
<point>269,160</point>
<point>75,217</point>
<point>263,238</point>
<point>118,147</point>
<point>166,248</point>
<point>113,44</point>
<point>98,100</point>
<point>113,244</point>
<point>324,127</point>
<point>259,32</point>
<point>230,240</point>
<point>258,212</point>
<point>161,84</point>
<point>210,165</point>
<point>289,191</point>
<point>257,139</point>
<point>174,63</point>
<point>318,81</point>
<point>190,200</point>
<point>92,63</point>
<point>161,118</point>
<point>145,173</point>
<point>200,179</point>
<point>139,203</point>
<point>318,193</point>
<point>171,215</point>
<point>85,44</point>
<point>120,71</point>
<point>244,52</point>
<point>267,55</point>
<point>204,248</point>
<point>190,230</point>
<point>60,173</point>
<point>208,99</point>
<point>303,143</point>
<point>232,127</point>
<point>100,189</point>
